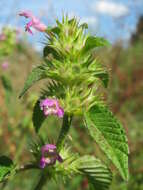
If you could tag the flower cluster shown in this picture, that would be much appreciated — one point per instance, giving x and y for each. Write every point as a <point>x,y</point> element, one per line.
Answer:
<point>49,155</point>
<point>34,22</point>
<point>51,107</point>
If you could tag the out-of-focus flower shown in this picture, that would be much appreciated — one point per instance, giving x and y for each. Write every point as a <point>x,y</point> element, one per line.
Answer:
<point>34,22</point>
<point>51,107</point>
<point>5,65</point>
<point>49,155</point>
<point>2,37</point>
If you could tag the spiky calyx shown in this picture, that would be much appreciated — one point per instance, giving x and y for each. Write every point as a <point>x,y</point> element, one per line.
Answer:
<point>70,63</point>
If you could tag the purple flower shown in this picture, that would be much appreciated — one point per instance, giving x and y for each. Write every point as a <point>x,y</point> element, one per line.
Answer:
<point>5,65</point>
<point>2,37</point>
<point>34,22</point>
<point>49,155</point>
<point>51,107</point>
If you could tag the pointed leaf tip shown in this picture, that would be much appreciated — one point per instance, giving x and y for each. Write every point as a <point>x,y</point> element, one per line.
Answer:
<point>36,75</point>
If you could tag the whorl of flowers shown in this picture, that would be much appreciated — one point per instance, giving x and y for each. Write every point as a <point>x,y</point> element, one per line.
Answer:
<point>49,155</point>
<point>51,107</point>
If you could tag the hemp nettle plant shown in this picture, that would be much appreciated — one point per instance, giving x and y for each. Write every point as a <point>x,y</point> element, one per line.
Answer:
<point>75,78</point>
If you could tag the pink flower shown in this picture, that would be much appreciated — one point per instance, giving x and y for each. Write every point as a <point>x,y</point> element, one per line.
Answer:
<point>2,37</point>
<point>34,22</point>
<point>51,107</point>
<point>49,155</point>
<point>5,65</point>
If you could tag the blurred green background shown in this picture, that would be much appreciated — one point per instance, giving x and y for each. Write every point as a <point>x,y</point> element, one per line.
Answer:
<point>124,96</point>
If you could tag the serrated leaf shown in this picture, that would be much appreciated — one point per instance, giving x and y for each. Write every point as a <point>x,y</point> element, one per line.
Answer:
<point>38,117</point>
<point>109,134</point>
<point>93,42</point>
<point>6,167</point>
<point>98,174</point>
<point>36,75</point>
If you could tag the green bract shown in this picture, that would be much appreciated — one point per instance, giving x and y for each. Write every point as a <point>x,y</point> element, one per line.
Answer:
<point>73,164</point>
<point>70,63</point>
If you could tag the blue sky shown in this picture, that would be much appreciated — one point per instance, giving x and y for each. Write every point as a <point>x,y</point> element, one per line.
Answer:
<point>113,19</point>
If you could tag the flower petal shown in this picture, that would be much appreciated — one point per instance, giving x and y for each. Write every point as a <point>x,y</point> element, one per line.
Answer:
<point>47,147</point>
<point>51,107</point>
<point>40,27</point>
<point>42,163</point>
<point>26,14</point>
<point>60,112</point>
<point>59,158</point>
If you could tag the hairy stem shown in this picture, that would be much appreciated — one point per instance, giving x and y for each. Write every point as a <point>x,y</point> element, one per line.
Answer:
<point>18,170</point>
<point>64,131</point>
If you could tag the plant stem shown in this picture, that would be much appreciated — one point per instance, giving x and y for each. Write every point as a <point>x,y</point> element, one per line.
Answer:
<point>27,167</point>
<point>60,142</point>
<point>42,181</point>
<point>64,131</point>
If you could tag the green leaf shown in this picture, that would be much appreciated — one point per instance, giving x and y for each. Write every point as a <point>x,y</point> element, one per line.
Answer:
<point>7,87</point>
<point>50,50</point>
<point>109,134</point>
<point>55,30</point>
<point>6,83</point>
<point>38,116</point>
<point>93,42</point>
<point>98,174</point>
<point>6,167</point>
<point>37,74</point>
<point>104,76</point>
